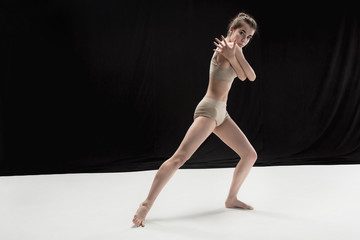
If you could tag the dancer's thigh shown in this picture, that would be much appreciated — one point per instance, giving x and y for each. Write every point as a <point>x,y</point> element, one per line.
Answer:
<point>232,136</point>
<point>199,130</point>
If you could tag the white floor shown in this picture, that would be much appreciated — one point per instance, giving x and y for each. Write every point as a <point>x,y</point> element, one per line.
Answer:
<point>292,202</point>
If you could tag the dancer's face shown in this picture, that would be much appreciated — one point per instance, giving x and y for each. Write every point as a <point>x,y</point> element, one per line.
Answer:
<point>242,35</point>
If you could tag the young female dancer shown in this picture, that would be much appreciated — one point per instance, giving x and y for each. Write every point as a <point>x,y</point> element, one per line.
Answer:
<point>210,116</point>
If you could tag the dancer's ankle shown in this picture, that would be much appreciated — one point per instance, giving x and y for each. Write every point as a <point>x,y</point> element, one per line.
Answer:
<point>147,203</point>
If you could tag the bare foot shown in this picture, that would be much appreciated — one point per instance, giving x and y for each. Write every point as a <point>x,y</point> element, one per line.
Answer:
<point>234,203</point>
<point>139,217</point>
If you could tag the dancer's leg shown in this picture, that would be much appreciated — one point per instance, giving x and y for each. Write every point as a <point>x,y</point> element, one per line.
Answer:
<point>200,129</point>
<point>232,135</point>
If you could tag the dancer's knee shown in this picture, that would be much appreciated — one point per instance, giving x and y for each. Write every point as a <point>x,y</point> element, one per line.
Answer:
<point>250,156</point>
<point>179,159</point>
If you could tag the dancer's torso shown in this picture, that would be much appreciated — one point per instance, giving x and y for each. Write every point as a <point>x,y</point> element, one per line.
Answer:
<point>221,76</point>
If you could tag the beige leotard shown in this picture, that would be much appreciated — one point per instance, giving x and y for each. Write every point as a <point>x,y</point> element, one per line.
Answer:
<point>220,73</point>
<point>213,108</point>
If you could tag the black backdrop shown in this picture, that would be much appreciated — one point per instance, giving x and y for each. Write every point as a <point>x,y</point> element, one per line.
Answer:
<point>98,86</point>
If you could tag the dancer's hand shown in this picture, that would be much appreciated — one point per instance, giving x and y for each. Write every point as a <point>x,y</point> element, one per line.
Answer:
<point>225,48</point>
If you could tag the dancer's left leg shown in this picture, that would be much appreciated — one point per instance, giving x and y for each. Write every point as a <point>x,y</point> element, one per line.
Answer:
<point>232,136</point>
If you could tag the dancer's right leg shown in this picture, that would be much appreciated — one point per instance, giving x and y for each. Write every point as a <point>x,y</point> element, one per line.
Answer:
<point>200,129</point>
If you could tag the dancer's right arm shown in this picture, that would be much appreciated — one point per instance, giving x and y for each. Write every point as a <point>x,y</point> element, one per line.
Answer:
<point>229,53</point>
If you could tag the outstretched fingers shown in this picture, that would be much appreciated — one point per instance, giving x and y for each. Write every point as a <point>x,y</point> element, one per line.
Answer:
<point>224,40</point>
<point>217,45</point>
<point>220,45</point>
<point>220,42</point>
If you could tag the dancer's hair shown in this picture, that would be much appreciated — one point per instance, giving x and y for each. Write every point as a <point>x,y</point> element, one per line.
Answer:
<point>240,19</point>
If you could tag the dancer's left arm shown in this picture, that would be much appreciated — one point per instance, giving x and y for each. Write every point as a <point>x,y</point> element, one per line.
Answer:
<point>249,72</point>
